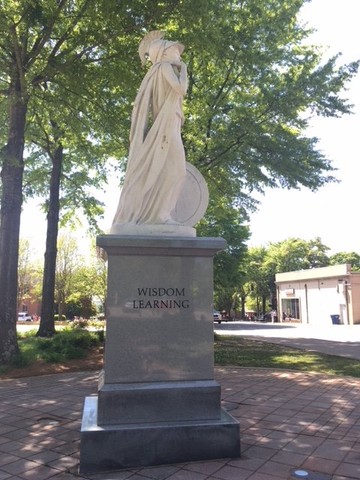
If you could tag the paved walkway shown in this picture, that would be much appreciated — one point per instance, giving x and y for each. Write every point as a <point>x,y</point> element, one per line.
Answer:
<point>288,420</point>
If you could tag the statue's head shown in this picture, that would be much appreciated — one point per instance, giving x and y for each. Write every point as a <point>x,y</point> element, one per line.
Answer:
<point>158,49</point>
<point>153,46</point>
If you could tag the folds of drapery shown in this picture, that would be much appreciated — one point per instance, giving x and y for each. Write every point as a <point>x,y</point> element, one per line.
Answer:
<point>146,194</point>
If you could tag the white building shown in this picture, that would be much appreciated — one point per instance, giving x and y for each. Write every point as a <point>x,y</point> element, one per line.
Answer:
<point>320,296</point>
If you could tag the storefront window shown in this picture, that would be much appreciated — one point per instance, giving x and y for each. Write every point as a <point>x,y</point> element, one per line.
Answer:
<point>291,308</point>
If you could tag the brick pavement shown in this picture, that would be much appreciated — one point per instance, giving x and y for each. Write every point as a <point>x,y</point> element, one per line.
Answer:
<point>288,420</point>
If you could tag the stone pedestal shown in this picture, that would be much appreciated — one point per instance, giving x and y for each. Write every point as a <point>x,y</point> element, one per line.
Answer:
<point>157,400</point>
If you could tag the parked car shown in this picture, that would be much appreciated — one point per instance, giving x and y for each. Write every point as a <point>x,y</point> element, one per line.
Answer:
<point>217,316</point>
<point>267,317</point>
<point>24,317</point>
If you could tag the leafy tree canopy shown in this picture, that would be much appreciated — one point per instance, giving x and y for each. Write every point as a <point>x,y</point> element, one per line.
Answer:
<point>296,254</point>
<point>254,83</point>
<point>351,258</point>
<point>254,86</point>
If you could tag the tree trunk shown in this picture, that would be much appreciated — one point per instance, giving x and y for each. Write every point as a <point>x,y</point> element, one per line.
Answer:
<point>47,323</point>
<point>264,304</point>
<point>243,302</point>
<point>11,201</point>
<point>61,307</point>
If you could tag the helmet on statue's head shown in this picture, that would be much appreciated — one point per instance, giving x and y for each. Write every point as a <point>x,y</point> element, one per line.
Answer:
<point>153,46</point>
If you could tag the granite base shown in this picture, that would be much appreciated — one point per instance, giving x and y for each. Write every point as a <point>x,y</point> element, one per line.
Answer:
<point>115,447</point>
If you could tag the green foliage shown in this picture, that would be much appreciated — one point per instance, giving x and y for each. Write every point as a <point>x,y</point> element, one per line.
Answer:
<point>89,282</point>
<point>82,307</point>
<point>82,323</point>
<point>254,85</point>
<point>29,274</point>
<point>80,71</point>
<point>262,264</point>
<point>255,290</point>
<point>96,326</point>
<point>223,220</point>
<point>65,345</point>
<point>296,254</point>
<point>27,354</point>
<point>78,280</point>
<point>351,258</point>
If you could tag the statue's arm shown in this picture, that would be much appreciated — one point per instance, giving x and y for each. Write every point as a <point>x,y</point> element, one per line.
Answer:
<point>178,83</point>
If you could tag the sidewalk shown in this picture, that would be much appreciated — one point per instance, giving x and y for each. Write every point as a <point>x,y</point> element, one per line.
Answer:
<point>288,420</point>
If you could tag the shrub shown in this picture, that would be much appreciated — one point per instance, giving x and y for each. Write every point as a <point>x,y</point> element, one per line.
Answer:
<point>67,345</point>
<point>80,323</point>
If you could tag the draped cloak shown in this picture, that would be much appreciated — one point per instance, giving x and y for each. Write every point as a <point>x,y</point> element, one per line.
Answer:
<point>156,163</point>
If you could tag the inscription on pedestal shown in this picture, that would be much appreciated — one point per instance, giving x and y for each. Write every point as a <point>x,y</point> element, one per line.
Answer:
<point>160,297</point>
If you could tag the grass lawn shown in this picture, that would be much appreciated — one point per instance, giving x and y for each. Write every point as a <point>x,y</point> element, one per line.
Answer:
<point>244,352</point>
<point>73,346</point>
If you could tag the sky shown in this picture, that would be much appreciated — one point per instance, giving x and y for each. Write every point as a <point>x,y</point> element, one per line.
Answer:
<point>331,212</point>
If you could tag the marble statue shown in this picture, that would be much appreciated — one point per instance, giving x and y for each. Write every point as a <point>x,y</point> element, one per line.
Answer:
<point>156,167</point>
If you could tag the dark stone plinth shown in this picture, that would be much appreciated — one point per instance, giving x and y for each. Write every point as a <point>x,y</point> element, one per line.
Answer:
<point>158,402</point>
<point>114,447</point>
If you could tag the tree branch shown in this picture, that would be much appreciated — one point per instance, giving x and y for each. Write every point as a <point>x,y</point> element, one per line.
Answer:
<point>18,60</point>
<point>65,35</point>
<point>44,36</point>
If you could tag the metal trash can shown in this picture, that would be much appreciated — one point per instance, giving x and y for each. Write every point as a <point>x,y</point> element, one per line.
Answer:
<point>335,319</point>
